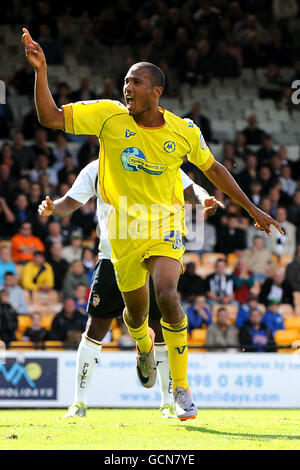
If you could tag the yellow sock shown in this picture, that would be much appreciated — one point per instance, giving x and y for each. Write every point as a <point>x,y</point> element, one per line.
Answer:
<point>141,335</point>
<point>175,336</point>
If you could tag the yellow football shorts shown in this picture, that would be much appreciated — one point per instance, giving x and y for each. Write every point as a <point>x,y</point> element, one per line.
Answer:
<point>131,272</point>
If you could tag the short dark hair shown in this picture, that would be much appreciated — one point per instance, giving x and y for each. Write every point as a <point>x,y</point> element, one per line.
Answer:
<point>158,76</point>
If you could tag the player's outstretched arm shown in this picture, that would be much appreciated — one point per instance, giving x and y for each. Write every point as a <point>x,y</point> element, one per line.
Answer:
<point>59,208</point>
<point>221,178</point>
<point>48,113</point>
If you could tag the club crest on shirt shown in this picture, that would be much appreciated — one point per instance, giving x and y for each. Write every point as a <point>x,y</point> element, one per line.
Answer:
<point>169,146</point>
<point>95,300</point>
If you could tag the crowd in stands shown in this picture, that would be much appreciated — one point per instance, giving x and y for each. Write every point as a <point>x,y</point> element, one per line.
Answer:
<point>243,295</point>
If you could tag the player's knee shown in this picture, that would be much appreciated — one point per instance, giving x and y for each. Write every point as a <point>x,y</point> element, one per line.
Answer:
<point>166,298</point>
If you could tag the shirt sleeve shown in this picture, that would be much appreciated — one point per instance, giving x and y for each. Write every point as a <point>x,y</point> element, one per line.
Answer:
<point>186,180</point>
<point>200,155</point>
<point>88,117</point>
<point>84,187</point>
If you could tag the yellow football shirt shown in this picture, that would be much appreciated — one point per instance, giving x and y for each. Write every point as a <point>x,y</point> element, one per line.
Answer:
<point>138,165</point>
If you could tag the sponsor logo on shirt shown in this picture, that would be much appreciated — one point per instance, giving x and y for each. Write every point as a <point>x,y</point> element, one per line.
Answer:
<point>133,159</point>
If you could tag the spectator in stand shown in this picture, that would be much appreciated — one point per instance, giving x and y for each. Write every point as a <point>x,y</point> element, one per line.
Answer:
<point>221,334</point>
<point>288,184</point>
<point>7,220</point>
<point>253,134</point>
<point>245,309</point>
<point>255,192</point>
<point>22,211</point>
<point>198,313</point>
<point>238,163</point>
<point>265,176</point>
<point>42,14</point>
<point>6,180</point>
<point>8,319</point>
<point>293,271</point>
<point>52,50</point>
<point>34,197</point>
<point>24,244</point>
<point>276,288</point>
<point>110,91</point>
<point>219,286</point>
<point>69,167</point>
<point>84,217</point>
<point>81,300</point>
<point>190,72</point>
<point>41,167</point>
<point>23,80</point>
<point>16,294</point>
<point>76,275</point>
<point>190,284</point>
<point>201,121</point>
<point>231,238</point>
<point>88,261</point>
<point>248,27</point>
<point>30,124</point>
<point>294,210</point>
<point>22,155</point>
<point>6,264</point>
<point>6,119</point>
<point>74,251</point>
<point>284,244</point>
<point>266,151</point>
<point>61,151</point>
<point>272,317</point>
<point>63,94</point>
<point>250,173</point>
<point>243,280</point>
<point>59,265</point>
<point>41,145</point>
<point>275,166</point>
<point>37,275</point>
<point>258,258</point>
<point>240,148</point>
<point>271,83</point>
<point>84,92</point>
<point>224,64</point>
<point>255,336</point>
<point>284,10</point>
<point>88,151</point>
<point>35,333</point>
<point>276,199</point>
<point>68,325</point>
<point>54,235</point>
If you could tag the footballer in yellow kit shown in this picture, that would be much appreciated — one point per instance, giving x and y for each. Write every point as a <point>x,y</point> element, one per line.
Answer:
<point>138,168</point>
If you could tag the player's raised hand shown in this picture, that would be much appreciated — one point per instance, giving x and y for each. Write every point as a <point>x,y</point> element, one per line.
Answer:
<point>211,204</point>
<point>33,51</point>
<point>46,207</point>
<point>264,221</point>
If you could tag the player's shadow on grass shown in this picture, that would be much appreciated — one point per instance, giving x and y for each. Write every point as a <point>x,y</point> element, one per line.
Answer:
<point>242,435</point>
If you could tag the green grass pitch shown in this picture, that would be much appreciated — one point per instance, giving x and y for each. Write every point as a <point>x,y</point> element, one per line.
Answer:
<point>144,429</point>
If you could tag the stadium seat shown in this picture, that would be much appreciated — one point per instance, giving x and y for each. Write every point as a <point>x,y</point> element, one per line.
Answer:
<point>24,322</point>
<point>53,345</point>
<point>24,345</point>
<point>292,323</point>
<point>45,298</point>
<point>46,322</point>
<point>286,338</point>
<point>285,260</point>
<point>198,337</point>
